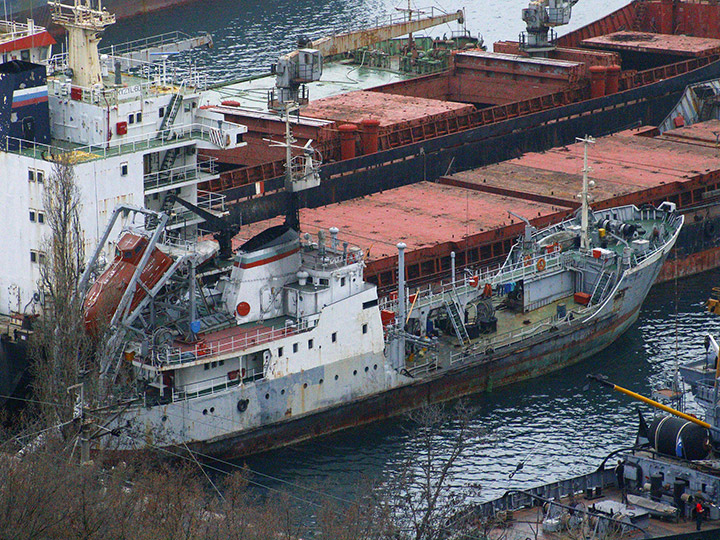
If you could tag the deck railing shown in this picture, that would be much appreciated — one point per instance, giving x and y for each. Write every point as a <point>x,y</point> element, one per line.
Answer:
<point>197,171</point>
<point>227,345</point>
<point>213,386</point>
<point>91,152</point>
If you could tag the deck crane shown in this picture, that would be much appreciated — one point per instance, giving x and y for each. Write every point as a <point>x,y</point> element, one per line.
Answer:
<point>304,65</point>
<point>541,16</point>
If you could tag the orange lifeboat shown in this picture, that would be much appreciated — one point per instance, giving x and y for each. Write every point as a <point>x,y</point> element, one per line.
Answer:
<point>104,296</point>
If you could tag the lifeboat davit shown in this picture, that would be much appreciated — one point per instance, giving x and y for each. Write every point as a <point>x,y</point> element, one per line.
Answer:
<point>104,296</point>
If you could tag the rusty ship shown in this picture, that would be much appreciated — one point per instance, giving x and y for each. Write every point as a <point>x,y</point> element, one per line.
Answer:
<point>283,340</point>
<point>465,109</point>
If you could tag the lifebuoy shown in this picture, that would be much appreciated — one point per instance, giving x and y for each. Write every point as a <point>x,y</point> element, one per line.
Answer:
<point>528,260</point>
<point>541,265</point>
<point>243,308</point>
<point>474,282</point>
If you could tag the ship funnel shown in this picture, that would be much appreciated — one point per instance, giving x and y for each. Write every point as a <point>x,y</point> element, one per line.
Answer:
<point>334,238</point>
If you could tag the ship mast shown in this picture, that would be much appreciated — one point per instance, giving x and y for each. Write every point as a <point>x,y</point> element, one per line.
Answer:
<point>584,195</point>
<point>84,25</point>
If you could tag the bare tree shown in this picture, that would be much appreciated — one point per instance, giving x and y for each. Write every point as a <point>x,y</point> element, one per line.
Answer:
<point>421,499</point>
<point>62,350</point>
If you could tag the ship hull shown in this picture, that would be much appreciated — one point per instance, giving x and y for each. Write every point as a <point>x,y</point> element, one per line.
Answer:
<point>358,391</point>
<point>14,372</point>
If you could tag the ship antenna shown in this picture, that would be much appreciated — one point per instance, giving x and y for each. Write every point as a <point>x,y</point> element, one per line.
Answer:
<point>292,218</point>
<point>584,195</point>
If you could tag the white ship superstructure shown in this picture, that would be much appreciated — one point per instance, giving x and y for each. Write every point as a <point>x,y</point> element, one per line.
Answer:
<point>130,137</point>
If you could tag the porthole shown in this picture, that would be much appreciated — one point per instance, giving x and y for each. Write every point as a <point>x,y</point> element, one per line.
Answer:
<point>267,396</point>
<point>337,377</point>
<point>375,366</point>
<point>164,418</point>
<point>367,369</point>
<point>204,412</point>
<point>354,371</point>
<point>212,410</point>
<point>305,385</point>
<point>282,392</point>
<point>320,381</point>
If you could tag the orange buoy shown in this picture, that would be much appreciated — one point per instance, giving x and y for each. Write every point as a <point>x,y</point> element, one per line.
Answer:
<point>528,260</point>
<point>541,265</point>
<point>203,349</point>
<point>487,291</point>
<point>474,282</point>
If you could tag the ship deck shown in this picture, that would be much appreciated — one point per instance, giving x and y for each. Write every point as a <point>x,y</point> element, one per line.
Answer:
<point>510,323</point>
<point>338,78</point>
<point>225,342</point>
<point>467,212</point>
<point>423,215</point>
<point>390,110</point>
<point>527,522</point>
<point>649,42</point>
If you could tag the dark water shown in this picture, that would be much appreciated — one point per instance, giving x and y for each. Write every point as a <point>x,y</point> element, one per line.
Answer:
<point>559,428</point>
<point>249,35</point>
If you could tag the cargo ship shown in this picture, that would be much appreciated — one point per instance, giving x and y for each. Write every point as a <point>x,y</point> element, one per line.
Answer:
<point>626,70</point>
<point>285,340</point>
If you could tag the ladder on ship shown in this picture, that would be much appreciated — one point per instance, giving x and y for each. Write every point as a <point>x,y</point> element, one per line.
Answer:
<point>171,113</point>
<point>151,221</point>
<point>600,287</point>
<point>165,173</point>
<point>452,306</point>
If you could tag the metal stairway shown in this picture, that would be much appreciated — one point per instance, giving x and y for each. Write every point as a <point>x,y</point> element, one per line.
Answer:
<point>164,173</point>
<point>456,318</point>
<point>600,287</point>
<point>170,115</point>
<point>167,204</point>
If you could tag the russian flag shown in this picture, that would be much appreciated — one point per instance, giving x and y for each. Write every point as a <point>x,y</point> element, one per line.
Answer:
<point>30,96</point>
